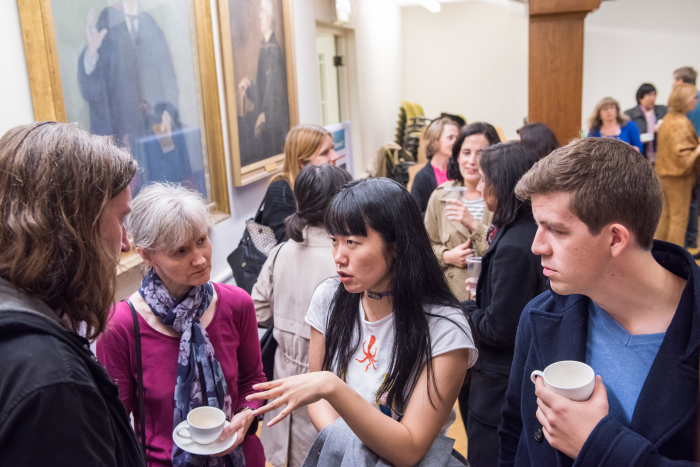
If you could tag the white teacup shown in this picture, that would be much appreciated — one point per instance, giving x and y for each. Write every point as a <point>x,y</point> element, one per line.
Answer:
<point>204,425</point>
<point>568,378</point>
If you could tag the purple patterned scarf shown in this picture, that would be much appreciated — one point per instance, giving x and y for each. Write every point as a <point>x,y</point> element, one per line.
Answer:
<point>200,379</point>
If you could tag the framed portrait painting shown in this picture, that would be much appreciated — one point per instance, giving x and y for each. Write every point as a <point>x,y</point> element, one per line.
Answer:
<point>260,83</point>
<point>141,71</point>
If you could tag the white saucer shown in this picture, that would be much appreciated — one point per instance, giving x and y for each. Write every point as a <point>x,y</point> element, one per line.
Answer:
<point>203,449</point>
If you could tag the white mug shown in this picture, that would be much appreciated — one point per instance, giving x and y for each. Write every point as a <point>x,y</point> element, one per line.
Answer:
<point>204,425</point>
<point>568,378</point>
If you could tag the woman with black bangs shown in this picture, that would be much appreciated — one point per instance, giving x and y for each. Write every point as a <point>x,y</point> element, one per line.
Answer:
<point>511,276</point>
<point>390,344</point>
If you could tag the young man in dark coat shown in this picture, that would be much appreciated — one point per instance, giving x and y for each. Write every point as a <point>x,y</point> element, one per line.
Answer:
<point>626,305</point>
<point>64,198</point>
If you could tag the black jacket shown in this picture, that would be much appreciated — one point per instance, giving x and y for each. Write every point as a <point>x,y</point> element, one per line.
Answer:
<point>637,116</point>
<point>58,406</point>
<point>279,204</point>
<point>511,276</point>
<point>423,186</point>
<point>663,430</point>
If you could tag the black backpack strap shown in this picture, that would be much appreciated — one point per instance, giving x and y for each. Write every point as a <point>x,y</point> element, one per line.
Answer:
<point>139,375</point>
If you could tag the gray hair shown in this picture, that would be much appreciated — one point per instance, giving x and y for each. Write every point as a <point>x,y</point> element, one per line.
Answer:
<point>165,216</point>
<point>270,9</point>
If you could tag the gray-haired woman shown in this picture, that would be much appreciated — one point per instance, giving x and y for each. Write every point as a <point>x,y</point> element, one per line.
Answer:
<point>199,341</point>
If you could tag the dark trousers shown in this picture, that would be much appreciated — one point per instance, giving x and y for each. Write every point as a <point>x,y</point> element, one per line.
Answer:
<point>487,392</point>
<point>691,234</point>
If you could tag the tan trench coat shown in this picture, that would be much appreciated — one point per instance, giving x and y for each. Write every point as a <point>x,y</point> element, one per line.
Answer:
<point>446,234</point>
<point>281,297</point>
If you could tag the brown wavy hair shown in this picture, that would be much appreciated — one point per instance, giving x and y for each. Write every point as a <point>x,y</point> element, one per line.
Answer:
<point>57,181</point>
<point>434,133</point>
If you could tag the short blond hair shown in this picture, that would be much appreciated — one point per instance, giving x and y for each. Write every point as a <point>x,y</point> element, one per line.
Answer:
<point>301,143</point>
<point>680,96</point>
<point>594,121</point>
<point>433,134</point>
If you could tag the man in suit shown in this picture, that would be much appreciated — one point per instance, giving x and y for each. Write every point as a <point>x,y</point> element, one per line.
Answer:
<point>647,115</point>
<point>125,72</point>
<point>623,303</point>
<point>269,91</point>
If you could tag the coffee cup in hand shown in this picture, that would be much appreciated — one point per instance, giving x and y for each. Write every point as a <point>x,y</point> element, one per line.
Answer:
<point>571,379</point>
<point>204,425</point>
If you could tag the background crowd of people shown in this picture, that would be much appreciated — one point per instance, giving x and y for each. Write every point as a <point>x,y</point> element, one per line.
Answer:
<point>378,329</point>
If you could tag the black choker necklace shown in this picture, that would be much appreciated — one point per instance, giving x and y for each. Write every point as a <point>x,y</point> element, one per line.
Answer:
<point>378,295</point>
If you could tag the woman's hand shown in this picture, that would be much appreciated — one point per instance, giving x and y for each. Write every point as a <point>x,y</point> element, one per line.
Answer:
<point>458,255</point>
<point>239,424</point>
<point>457,211</point>
<point>294,392</point>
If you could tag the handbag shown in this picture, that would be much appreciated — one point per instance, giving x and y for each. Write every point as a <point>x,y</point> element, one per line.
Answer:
<point>139,376</point>
<point>247,259</point>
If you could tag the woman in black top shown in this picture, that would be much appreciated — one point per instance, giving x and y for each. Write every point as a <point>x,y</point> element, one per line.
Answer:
<point>305,145</point>
<point>440,135</point>
<point>510,277</point>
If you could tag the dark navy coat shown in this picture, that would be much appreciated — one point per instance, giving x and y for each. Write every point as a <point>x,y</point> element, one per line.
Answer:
<point>663,431</point>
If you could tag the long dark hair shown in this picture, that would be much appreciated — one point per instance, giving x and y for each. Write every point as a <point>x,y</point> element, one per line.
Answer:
<point>476,128</point>
<point>503,166</point>
<point>539,138</point>
<point>314,188</point>
<point>417,280</point>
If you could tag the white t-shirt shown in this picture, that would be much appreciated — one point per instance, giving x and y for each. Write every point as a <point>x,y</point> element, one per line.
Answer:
<point>370,364</point>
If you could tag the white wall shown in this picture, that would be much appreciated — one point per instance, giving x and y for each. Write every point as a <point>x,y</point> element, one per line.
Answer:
<point>378,48</point>
<point>630,42</point>
<point>15,98</point>
<point>16,109</point>
<point>468,59</point>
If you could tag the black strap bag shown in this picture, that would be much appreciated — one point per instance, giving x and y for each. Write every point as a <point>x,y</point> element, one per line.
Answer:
<point>247,259</point>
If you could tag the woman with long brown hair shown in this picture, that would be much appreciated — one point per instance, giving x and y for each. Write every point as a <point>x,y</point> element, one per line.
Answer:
<point>305,145</point>
<point>63,200</point>
<point>677,160</point>
<point>606,121</point>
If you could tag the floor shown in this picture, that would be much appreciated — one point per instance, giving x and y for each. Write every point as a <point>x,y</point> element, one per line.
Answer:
<point>456,432</point>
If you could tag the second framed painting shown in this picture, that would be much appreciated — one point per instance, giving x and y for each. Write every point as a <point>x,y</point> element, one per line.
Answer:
<point>260,82</point>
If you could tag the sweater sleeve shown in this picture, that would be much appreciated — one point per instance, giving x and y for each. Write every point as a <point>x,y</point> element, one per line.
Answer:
<point>250,368</point>
<point>432,225</point>
<point>114,352</point>
<point>684,143</point>
<point>634,136</point>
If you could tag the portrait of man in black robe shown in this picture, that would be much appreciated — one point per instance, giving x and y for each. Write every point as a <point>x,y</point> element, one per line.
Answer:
<point>127,76</point>
<point>263,129</point>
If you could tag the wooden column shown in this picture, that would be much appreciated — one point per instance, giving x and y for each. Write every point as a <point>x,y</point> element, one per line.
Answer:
<point>556,64</point>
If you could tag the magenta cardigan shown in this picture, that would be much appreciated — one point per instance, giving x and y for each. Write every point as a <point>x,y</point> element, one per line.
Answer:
<point>234,335</point>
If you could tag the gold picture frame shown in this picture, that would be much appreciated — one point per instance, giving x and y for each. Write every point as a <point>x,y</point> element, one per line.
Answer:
<point>243,172</point>
<point>48,100</point>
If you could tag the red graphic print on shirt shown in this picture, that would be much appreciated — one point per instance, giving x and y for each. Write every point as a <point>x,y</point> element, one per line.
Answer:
<point>369,357</point>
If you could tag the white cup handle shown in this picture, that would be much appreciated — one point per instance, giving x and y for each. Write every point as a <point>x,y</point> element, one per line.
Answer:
<point>535,374</point>
<point>189,435</point>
